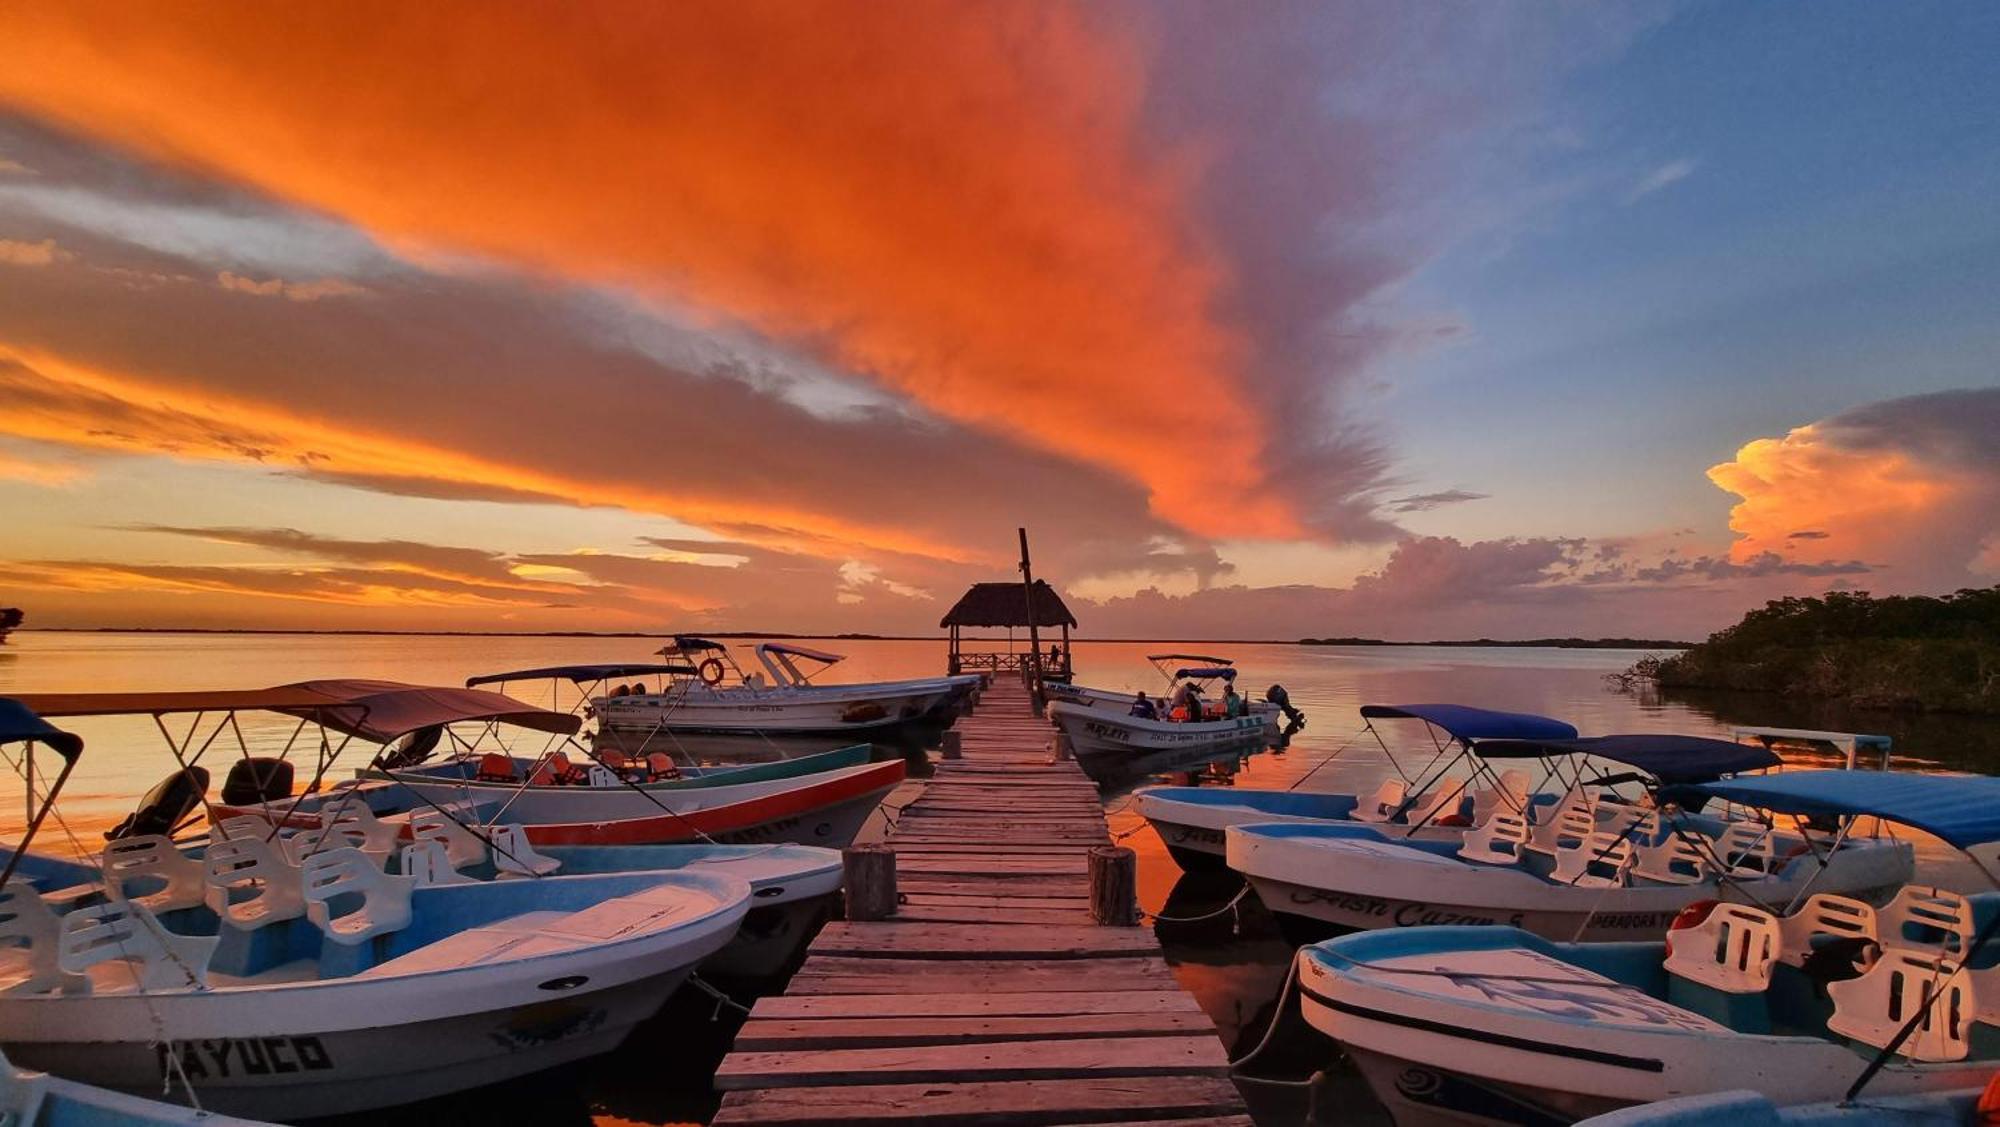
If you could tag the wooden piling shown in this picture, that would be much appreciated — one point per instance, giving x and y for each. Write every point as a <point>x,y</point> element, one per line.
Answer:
<point>868,874</point>
<point>1114,886</point>
<point>952,746</point>
<point>994,994</point>
<point>1060,749</point>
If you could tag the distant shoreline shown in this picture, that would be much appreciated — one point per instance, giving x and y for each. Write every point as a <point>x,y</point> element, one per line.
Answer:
<point>752,635</point>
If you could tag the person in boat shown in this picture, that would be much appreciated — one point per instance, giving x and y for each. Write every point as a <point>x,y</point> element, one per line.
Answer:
<point>1233,704</point>
<point>1142,707</point>
<point>1187,702</point>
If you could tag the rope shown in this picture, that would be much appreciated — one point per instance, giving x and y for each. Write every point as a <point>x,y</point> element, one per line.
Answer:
<point>722,1000</point>
<point>1231,906</point>
<point>1365,728</point>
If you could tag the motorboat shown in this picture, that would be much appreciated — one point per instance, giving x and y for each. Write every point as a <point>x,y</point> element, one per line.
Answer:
<point>36,1099</point>
<point>286,983</point>
<point>1211,676</point>
<point>1428,800</point>
<point>1808,997</point>
<point>1745,1108</point>
<point>721,697</point>
<point>1114,749</point>
<point>1593,865</point>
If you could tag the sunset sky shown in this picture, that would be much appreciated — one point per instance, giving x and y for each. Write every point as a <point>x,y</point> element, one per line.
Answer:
<point>1267,319</point>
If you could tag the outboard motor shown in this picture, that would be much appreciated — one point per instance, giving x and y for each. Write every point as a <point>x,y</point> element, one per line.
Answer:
<point>1277,695</point>
<point>416,748</point>
<point>256,780</point>
<point>166,806</point>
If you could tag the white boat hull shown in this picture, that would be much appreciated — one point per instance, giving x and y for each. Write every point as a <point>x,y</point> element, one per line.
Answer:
<point>811,710</point>
<point>1110,747</point>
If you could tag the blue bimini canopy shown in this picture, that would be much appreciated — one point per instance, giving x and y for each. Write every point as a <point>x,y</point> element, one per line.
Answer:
<point>1962,809</point>
<point>1204,673</point>
<point>1466,723</point>
<point>1670,759</point>
<point>18,725</point>
<point>581,674</point>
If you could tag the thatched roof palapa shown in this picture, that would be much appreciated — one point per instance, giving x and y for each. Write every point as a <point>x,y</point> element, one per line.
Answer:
<point>1004,604</point>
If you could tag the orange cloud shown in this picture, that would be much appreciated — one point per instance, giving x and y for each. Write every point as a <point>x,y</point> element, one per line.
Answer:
<point>18,253</point>
<point>951,199</point>
<point>294,291</point>
<point>59,402</point>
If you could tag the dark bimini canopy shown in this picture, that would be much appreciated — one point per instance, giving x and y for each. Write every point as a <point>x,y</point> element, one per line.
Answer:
<point>580,674</point>
<point>1205,659</point>
<point>18,725</point>
<point>1670,759</point>
<point>686,642</point>
<point>1962,809</point>
<point>376,710</point>
<point>1223,672</point>
<point>1466,723</point>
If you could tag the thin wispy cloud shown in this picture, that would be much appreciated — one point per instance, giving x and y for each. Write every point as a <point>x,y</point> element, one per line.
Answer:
<point>1672,172</point>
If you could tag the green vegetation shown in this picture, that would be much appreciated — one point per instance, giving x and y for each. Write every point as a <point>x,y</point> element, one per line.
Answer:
<point>1911,652</point>
<point>1526,643</point>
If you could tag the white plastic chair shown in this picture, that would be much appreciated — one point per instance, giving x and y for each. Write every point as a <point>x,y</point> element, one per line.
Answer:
<point>1746,850</point>
<point>1384,803</point>
<point>344,835</point>
<point>1942,919</point>
<point>1599,861</point>
<point>1568,824</point>
<point>385,899</point>
<point>1498,842</point>
<point>378,837</point>
<point>515,856</point>
<point>1824,914</point>
<point>1733,950</point>
<point>1873,1008</point>
<point>428,863</point>
<point>1442,801</point>
<point>128,931</point>
<point>1510,796</point>
<point>254,865</point>
<point>244,826</point>
<point>25,916</point>
<point>1675,860</point>
<point>153,856</point>
<point>464,847</point>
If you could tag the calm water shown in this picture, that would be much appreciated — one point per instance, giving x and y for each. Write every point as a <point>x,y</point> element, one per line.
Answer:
<point>1234,963</point>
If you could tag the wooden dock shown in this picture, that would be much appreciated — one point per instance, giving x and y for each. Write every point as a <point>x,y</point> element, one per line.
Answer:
<point>991,997</point>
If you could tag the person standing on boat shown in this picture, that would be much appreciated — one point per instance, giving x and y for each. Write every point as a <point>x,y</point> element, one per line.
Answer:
<point>1233,704</point>
<point>1187,702</point>
<point>1142,707</point>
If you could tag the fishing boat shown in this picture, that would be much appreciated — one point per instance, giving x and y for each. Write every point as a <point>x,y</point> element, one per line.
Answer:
<point>1114,749</point>
<point>1745,1108</point>
<point>282,984</point>
<point>1822,997</point>
<point>1192,820</point>
<point>722,698</point>
<point>1204,671</point>
<point>36,1099</point>
<point>1594,865</point>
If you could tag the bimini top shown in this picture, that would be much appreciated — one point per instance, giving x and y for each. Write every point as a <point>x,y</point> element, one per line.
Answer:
<point>1205,672</point>
<point>376,710</point>
<point>1962,809</point>
<point>18,724</point>
<point>799,651</point>
<point>1466,723</point>
<point>1670,759</point>
<point>688,643</point>
<point>385,710</point>
<point>581,674</point>
<point>1204,659</point>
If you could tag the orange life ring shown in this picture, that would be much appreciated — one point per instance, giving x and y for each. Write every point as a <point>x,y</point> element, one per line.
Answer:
<point>710,671</point>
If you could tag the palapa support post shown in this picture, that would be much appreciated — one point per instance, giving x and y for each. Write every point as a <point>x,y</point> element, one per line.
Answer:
<point>868,877</point>
<point>952,746</point>
<point>1114,886</point>
<point>1034,663</point>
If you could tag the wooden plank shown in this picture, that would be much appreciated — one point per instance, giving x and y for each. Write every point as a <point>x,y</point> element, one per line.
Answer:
<point>843,975</point>
<point>886,1032</point>
<point>1079,902</point>
<point>978,941</point>
<point>1184,1100</point>
<point>936,913</point>
<point>998,1060</point>
<point>1020,1004</point>
<point>1022,886</point>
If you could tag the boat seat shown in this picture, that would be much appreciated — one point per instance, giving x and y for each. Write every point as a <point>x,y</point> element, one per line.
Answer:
<point>1498,842</point>
<point>129,932</point>
<point>1746,850</point>
<point>1675,860</point>
<point>1927,920</point>
<point>346,871</point>
<point>254,865</point>
<point>660,766</point>
<point>26,917</point>
<point>555,770</point>
<point>496,768</point>
<point>1626,821</point>
<point>464,848</point>
<point>514,855</point>
<point>1823,914</point>
<point>1446,801</point>
<point>154,857</point>
<point>429,863</point>
<point>377,836</point>
<point>1599,861</point>
<point>1733,950</point>
<point>1510,796</point>
<point>1384,804</point>
<point>245,826</point>
<point>1567,825</point>
<point>1873,1008</point>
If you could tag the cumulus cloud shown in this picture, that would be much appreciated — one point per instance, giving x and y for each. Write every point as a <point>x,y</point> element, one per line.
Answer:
<point>1911,483</point>
<point>17,252</point>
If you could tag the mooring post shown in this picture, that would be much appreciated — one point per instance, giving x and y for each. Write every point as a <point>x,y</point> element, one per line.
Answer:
<point>952,746</point>
<point>1059,747</point>
<point>1114,886</point>
<point>868,874</point>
